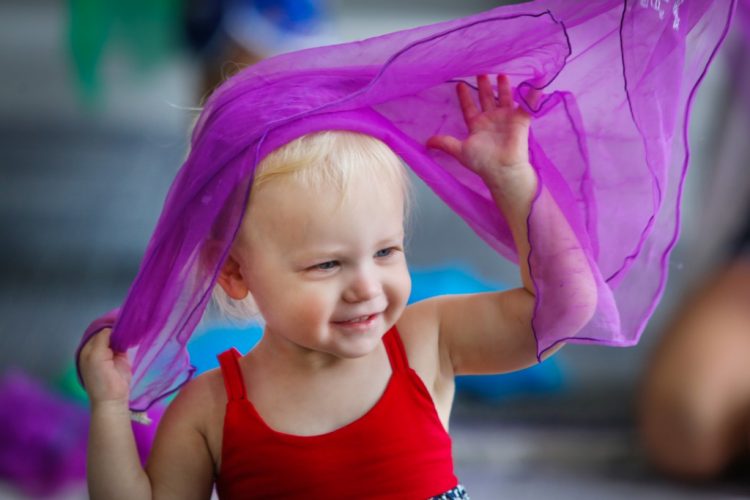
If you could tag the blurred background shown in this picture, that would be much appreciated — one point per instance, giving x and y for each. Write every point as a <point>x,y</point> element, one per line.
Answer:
<point>88,148</point>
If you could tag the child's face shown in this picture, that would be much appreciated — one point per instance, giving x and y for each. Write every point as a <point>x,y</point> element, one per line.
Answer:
<point>328,275</point>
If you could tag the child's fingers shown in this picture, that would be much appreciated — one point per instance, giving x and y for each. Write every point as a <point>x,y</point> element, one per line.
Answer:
<point>105,374</point>
<point>465,99</point>
<point>486,94</point>
<point>446,143</point>
<point>97,344</point>
<point>504,93</point>
<point>101,339</point>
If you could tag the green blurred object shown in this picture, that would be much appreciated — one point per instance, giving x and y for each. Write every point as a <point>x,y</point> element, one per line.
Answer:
<point>147,30</point>
<point>69,386</point>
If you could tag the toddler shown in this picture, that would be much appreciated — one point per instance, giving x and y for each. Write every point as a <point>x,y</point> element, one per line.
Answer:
<point>349,392</point>
<point>293,199</point>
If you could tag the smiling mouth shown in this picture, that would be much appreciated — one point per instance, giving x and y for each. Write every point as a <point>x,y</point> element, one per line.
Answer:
<point>360,320</point>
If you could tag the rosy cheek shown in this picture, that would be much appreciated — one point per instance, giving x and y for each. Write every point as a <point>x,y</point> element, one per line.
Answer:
<point>312,307</point>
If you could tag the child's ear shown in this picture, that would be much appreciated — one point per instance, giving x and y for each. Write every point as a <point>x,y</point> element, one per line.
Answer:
<point>230,279</point>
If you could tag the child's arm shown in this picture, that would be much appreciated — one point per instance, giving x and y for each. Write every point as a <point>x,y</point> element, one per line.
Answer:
<point>180,465</point>
<point>491,332</point>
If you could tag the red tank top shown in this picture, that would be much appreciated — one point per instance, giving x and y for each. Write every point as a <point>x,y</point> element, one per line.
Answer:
<point>397,450</point>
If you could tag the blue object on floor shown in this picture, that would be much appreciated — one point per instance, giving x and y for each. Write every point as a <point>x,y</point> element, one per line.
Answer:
<point>543,378</point>
<point>205,346</point>
<point>451,279</point>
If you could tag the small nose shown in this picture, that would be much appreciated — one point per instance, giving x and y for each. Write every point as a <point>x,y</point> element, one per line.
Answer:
<point>364,285</point>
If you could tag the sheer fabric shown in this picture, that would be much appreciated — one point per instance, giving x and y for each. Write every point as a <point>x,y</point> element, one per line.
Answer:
<point>608,141</point>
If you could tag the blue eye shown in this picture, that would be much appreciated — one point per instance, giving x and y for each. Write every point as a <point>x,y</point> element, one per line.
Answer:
<point>326,266</point>
<point>385,252</point>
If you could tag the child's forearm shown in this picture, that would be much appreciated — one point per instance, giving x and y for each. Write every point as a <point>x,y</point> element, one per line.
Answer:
<point>114,468</point>
<point>513,190</point>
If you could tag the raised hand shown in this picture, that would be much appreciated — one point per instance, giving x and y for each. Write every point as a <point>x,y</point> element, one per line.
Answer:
<point>498,133</point>
<point>106,374</point>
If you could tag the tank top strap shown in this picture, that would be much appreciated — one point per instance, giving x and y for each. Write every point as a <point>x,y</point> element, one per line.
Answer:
<point>395,349</point>
<point>230,371</point>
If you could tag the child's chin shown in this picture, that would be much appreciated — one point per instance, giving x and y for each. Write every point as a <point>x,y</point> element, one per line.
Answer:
<point>359,348</point>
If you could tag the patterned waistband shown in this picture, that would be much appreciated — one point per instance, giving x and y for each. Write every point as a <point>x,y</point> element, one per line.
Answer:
<point>457,493</point>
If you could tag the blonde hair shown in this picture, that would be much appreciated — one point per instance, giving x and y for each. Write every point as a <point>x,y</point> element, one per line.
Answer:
<point>329,158</point>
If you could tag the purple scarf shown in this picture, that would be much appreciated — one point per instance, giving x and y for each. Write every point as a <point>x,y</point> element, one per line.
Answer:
<point>608,140</point>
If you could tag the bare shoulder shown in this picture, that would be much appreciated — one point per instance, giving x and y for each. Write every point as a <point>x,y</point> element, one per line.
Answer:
<point>201,396</point>
<point>202,403</point>
<point>182,463</point>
